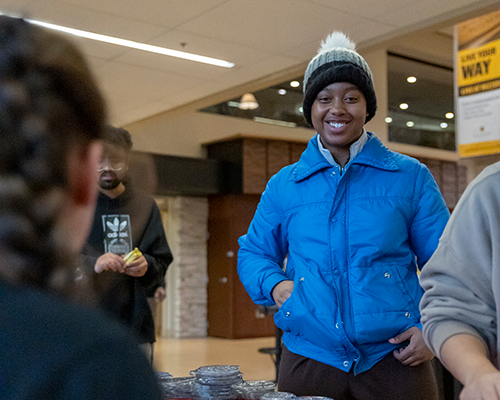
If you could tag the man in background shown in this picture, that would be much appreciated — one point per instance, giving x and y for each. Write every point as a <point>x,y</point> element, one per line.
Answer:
<point>126,218</point>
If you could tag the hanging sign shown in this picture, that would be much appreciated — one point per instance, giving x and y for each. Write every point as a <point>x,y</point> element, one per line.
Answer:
<point>477,85</point>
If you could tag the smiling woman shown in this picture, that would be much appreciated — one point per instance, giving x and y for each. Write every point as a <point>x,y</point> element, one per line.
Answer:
<point>338,114</point>
<point>351,218</point>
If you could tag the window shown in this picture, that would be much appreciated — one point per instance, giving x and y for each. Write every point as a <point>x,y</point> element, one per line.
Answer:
<point>420,109</point>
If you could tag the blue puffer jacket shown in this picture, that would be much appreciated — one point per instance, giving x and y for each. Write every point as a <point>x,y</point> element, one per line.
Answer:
<point>352,243</point>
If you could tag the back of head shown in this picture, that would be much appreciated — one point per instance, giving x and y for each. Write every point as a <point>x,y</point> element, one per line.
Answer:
<point>49,103</point>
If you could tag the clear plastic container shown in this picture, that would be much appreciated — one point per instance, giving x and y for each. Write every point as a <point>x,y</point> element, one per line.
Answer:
<point>177,388</point>
<point>161,375</point>
<point>253,390</point>
<point>315,398</point>
<point>215,382</point>
<point>279,396</point>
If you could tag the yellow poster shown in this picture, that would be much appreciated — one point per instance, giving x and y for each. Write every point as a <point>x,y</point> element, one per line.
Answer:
<point>477,78</point>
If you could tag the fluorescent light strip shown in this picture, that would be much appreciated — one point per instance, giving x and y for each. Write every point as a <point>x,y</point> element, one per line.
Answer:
<point>134,45</point>
<point>275,122</point>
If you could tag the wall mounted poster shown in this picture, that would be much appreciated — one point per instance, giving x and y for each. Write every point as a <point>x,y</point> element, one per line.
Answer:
<point>477,85</point>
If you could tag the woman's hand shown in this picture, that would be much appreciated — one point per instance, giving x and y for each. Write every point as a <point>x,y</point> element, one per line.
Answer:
<point>416,352</point>
<point>281,292</point>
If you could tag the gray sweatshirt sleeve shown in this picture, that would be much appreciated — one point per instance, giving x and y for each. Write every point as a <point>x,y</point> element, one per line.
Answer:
<point>460,278</point>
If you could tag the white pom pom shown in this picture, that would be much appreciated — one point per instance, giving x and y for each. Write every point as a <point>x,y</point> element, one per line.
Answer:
<point>335,40</point>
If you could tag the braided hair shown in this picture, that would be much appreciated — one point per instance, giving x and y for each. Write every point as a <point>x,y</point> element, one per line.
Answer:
<point>49,103</point>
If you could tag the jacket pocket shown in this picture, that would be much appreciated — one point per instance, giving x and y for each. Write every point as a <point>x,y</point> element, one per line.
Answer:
<point>385,303</point>
<point>310,312</point>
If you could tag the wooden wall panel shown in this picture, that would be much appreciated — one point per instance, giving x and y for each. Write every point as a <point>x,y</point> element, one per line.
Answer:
<point>231,312</point>
<point>297,150</point>
<point>254,166</point>
<point>278,156</point>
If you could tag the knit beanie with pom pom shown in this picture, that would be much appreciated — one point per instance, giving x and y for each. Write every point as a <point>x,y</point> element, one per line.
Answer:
<point>338,61</point>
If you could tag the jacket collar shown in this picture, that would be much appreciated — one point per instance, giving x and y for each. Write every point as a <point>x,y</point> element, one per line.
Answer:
<point>373,154</point>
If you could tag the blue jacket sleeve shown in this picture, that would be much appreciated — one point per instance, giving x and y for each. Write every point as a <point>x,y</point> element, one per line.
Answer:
<point>430,217</point>
<point>263,249</point>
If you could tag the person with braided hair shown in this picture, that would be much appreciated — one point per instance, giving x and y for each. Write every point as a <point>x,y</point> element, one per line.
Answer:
<point>54,341</point>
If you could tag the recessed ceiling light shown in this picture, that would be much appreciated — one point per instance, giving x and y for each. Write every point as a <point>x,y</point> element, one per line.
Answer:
<point>403,106</point>
<point>443,125</point>
<point>449,115</point>
<point>388,120</point>
<point>411,79</point>
<point>282,91</point>
<point>133,45</point>
<point>294,83</point>
<point>409,124</point>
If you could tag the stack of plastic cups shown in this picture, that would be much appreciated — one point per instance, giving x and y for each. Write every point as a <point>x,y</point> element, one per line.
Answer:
<point>177,388</point>
<point>163,375</point>
<point>253,390</point>
<point>215,382</point>
<point>279,396</point>
<point>316,398</point>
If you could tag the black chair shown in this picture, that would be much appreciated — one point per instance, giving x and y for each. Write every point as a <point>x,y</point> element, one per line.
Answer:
<point>274,352</point>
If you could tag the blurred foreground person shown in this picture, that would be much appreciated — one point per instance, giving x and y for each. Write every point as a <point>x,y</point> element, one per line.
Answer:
<point>461,304</point>
<point>53,343</point>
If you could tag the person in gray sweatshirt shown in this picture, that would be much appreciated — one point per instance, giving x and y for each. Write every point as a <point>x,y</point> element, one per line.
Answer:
<point>461,304</point>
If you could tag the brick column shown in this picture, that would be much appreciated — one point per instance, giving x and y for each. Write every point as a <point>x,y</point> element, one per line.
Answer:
<point>185,309</point>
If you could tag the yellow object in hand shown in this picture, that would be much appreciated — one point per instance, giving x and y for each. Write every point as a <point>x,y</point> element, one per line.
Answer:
<point>132,256</point>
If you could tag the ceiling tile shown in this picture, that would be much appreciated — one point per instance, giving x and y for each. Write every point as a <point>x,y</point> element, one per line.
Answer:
<point>365,8</point>
<point>253,72</point>
<point>94,48</point>
<point>16,7</point>
<point>124,116</point>
<point>276,26</point>
<point>210,47</point>
<point>79,17</point>
<point>429,11</point>
<point>239,55</point>
<point>122,78</point>
<point>163,13</point>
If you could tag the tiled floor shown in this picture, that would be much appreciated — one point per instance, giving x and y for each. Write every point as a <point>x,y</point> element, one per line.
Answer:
<point>180,356</point>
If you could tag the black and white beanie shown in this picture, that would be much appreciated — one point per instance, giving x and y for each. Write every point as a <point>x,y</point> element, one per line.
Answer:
<point>338,61</point>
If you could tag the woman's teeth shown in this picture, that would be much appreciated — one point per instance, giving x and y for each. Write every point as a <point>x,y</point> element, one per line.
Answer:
<point>336,124</point>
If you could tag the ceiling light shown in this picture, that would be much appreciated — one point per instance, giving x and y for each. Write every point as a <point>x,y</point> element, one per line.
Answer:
<point>248,102</point>
<point>443,125</point>
<point>403,106</point>
<point>134,45</point>
<point>282,91</point>
<point>388,120</point>
<point>449,115</point>
<point>409,124</point>
<point>411,79</point>
<point>294,83</point>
